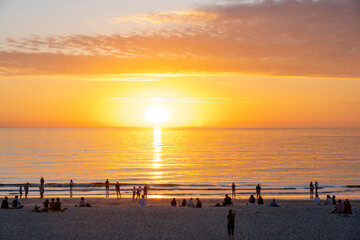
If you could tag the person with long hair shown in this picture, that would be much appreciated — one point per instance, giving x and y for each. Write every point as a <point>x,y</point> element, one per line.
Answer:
<point>231,224</point>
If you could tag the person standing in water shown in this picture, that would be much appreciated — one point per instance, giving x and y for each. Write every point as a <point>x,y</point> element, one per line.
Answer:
<point>26,188</point>
<point>117,189</point>
<point>107,188</point>
<point>42,181</point>
<point>71,184</point>
<point>258,189</point>
<point>316,188</point>
<point>233,190</point>
<point>20,191</point>
<point>311,187</point>
<point>231,224</point>
<point>134,192</point>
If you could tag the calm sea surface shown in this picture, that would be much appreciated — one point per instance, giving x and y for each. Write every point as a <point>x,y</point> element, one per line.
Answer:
<point>181,162</point>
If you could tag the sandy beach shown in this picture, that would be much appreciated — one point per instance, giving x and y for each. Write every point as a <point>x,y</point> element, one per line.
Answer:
<point>124,219</point>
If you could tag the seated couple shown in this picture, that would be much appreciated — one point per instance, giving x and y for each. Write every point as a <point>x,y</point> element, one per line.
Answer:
<point>16,203</point>
<point>342,207</point>
<point>252,200</point>
<point>191,204</point>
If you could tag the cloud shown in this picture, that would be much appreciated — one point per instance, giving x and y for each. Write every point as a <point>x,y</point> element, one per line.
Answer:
<point>278,38</point>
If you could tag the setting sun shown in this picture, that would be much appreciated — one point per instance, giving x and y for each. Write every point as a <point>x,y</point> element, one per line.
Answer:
<point>157,114</point>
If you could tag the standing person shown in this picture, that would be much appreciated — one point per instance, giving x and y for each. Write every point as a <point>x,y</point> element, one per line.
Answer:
<point>71,184</point>
<point>233,190</point>
<point>146,188</point>
<point>258,189</point>
<point>42,181</point>
<point>311,186</point>
<point>26,188</point>
<point>42,190</point>
<point>20,191</point>
<point>117,188</point>
<point>107,188</point>
<point>134,192</point>
<point>138,192</point>
<point>316,188</point>
<point>231,224</point>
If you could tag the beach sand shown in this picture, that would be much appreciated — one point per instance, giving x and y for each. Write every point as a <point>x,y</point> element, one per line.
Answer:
<point>123,219</point>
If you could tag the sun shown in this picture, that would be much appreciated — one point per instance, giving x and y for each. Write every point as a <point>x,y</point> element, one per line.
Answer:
<point>157,114</point>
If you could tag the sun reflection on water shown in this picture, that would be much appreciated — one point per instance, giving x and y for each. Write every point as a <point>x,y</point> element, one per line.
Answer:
<point>157,151</point>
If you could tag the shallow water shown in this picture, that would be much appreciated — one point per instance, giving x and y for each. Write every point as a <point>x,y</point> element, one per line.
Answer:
<point>182,161</point>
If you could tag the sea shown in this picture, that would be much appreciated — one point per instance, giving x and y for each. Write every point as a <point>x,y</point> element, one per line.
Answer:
<point>181,162</point>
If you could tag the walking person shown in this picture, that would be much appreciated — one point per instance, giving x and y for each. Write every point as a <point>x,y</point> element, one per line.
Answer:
<point>26,188</point>
<point>231,224</point>
<point>107,188</point>
<point>20,190</point>
<point>233,190</point>
<point>117,189</point>
<point>258,190</point>
<point>316,188</point>
<point>311,187</point>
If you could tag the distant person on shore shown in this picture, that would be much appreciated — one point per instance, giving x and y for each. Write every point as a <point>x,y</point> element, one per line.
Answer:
<point>46,204</point>
<point>71,184</point>
<point>317,200</point>
<point>16,203</point>
<point>142,201</point>
<point>258,190</point>
<point>107,188</point>
<point>117,189</point>
<point>173,202</point>
<point>20,191</point>
<point>190,203</point>
<point>316,188</point>
<point>333,200</point>
<point>198,203</point>
<point>138,193</point>
<point>134,192</point>
<point>273,203</point>
<point>260,200</point>
<point>233,190</point>
<point>183,203</point>
<point>328,200</point>
<point>347,207</point>
<point>5,203</point>
<point>146,189</point>
<point>231,223</point>
<point>252,200</point>
<point>311,187</point>
<point>227,200</point>
<point>42,190</point>
<point>339,207</point>
<point>26,188</point>
<point>42,181</point>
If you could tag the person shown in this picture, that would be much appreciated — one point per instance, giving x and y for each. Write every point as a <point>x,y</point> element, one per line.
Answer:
<point>36,209</point>
<point>134,192</point>
<point>26,188</point>
<point>20,191</point>
<point>198,203</point>
<point>227,200</point>
<point>190,203</point>
<point>57,205</point>
<point>339,207</point>
<point>328,200</point>
<point>107,188</point>
<point>138,193</point>
<point>231,223</point>
<point>260,200</point>
<point>311,186</point>
<point>173,202</point>
<point>316,188</point>
<point>333,200</point>
<point>52,203</point>
<point>273,203</point>
<point>142,201</point>
<point>82,202</point>
<point>46,205</point>
<point>146,188</point>
<point>258,189</point>
<point>117,188</point>
<point>183,203</point>
<point>317,200</point>
<point>71,184</point>
<point>42,181</point>
<point>347,207</point>
<point>42,190</point>
<point>233,190</point>
<point>16,203</point>
<point>5,203</point>
<point>252,200</point>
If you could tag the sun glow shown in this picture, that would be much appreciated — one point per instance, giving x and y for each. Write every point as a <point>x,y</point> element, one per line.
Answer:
<point>157,114</point>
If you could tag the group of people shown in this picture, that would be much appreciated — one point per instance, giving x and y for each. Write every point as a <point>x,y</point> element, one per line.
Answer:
<point>15,204</point>
<point>340,207</point>
<point>190,203</point>
<point>312,187</point>
<point>136,192</point>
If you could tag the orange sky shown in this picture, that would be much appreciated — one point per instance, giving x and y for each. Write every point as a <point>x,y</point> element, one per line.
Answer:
<point>264,64</point>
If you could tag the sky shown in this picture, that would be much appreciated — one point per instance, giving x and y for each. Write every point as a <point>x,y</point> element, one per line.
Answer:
<point>251,63</point>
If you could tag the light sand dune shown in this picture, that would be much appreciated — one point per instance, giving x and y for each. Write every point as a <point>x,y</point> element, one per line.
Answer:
<point>123,219</point>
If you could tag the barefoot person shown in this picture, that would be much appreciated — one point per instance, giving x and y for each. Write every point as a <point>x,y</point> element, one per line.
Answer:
<point>107,188</point>
<point>258,190</point>
<point>117,188</point>
<point>311,187</point>
<point>231,223</point>
<point>233,190</point>
<point>26,188</point>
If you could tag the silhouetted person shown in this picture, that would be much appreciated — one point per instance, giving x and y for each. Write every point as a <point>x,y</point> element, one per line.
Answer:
<point>198,203</point>
<point>339,207</point>
<point>146,188</point>
<point>183,203</point>
<point>16,203</point>
<point>252,200</point>
<point>258,190</point>
<point>190,203</point>
<point>233,190</point>
<point>142,201</point>
<point>20,191</point>
<point>52,203</point>
<point>117,188</point>
<point>317,200</point>
<point>134,193</point>
<point>26,188</point>
<point>42,181</point>
<point>311,187</point>
<point>316,188</point>
<point>347,207</point>
<point>138,192</point>
<point>227,200</point>
<point>46,204</point>
<point>5,203</point>
<point>173,202</point>
<point>42,190</point>
<point>71,184</point>
<point>333,200</point>
<point>231,223</point>
<point>260,200</point>
<point>273,203</point>
<point>107,188</point>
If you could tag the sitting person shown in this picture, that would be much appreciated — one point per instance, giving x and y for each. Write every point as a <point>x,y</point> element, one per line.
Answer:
<point>57,205</point>
<point>260,200</point>
<point>173,202</point>
<point>333,200</point>
<point>252,200</point>
<point>347,207</point>
<point>5,203</point>
<point>142,201</point>
<point>46,205</point>
<point>328,200</point>
<point>82,202</point>
<point>183,203</point>
<point>317,200</point>
<point>273,204</point>
<point>198,203</point>
<point>52,203</point>
<point>16,203</point>
<point>227,200</point>
<point>190,203</point>
<point>339,207</point>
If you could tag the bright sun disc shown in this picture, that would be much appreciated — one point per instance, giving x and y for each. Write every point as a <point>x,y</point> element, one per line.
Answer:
<point>157,114</point>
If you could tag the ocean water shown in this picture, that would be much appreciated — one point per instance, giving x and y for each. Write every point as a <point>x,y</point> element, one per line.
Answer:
<point>182,162</point>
